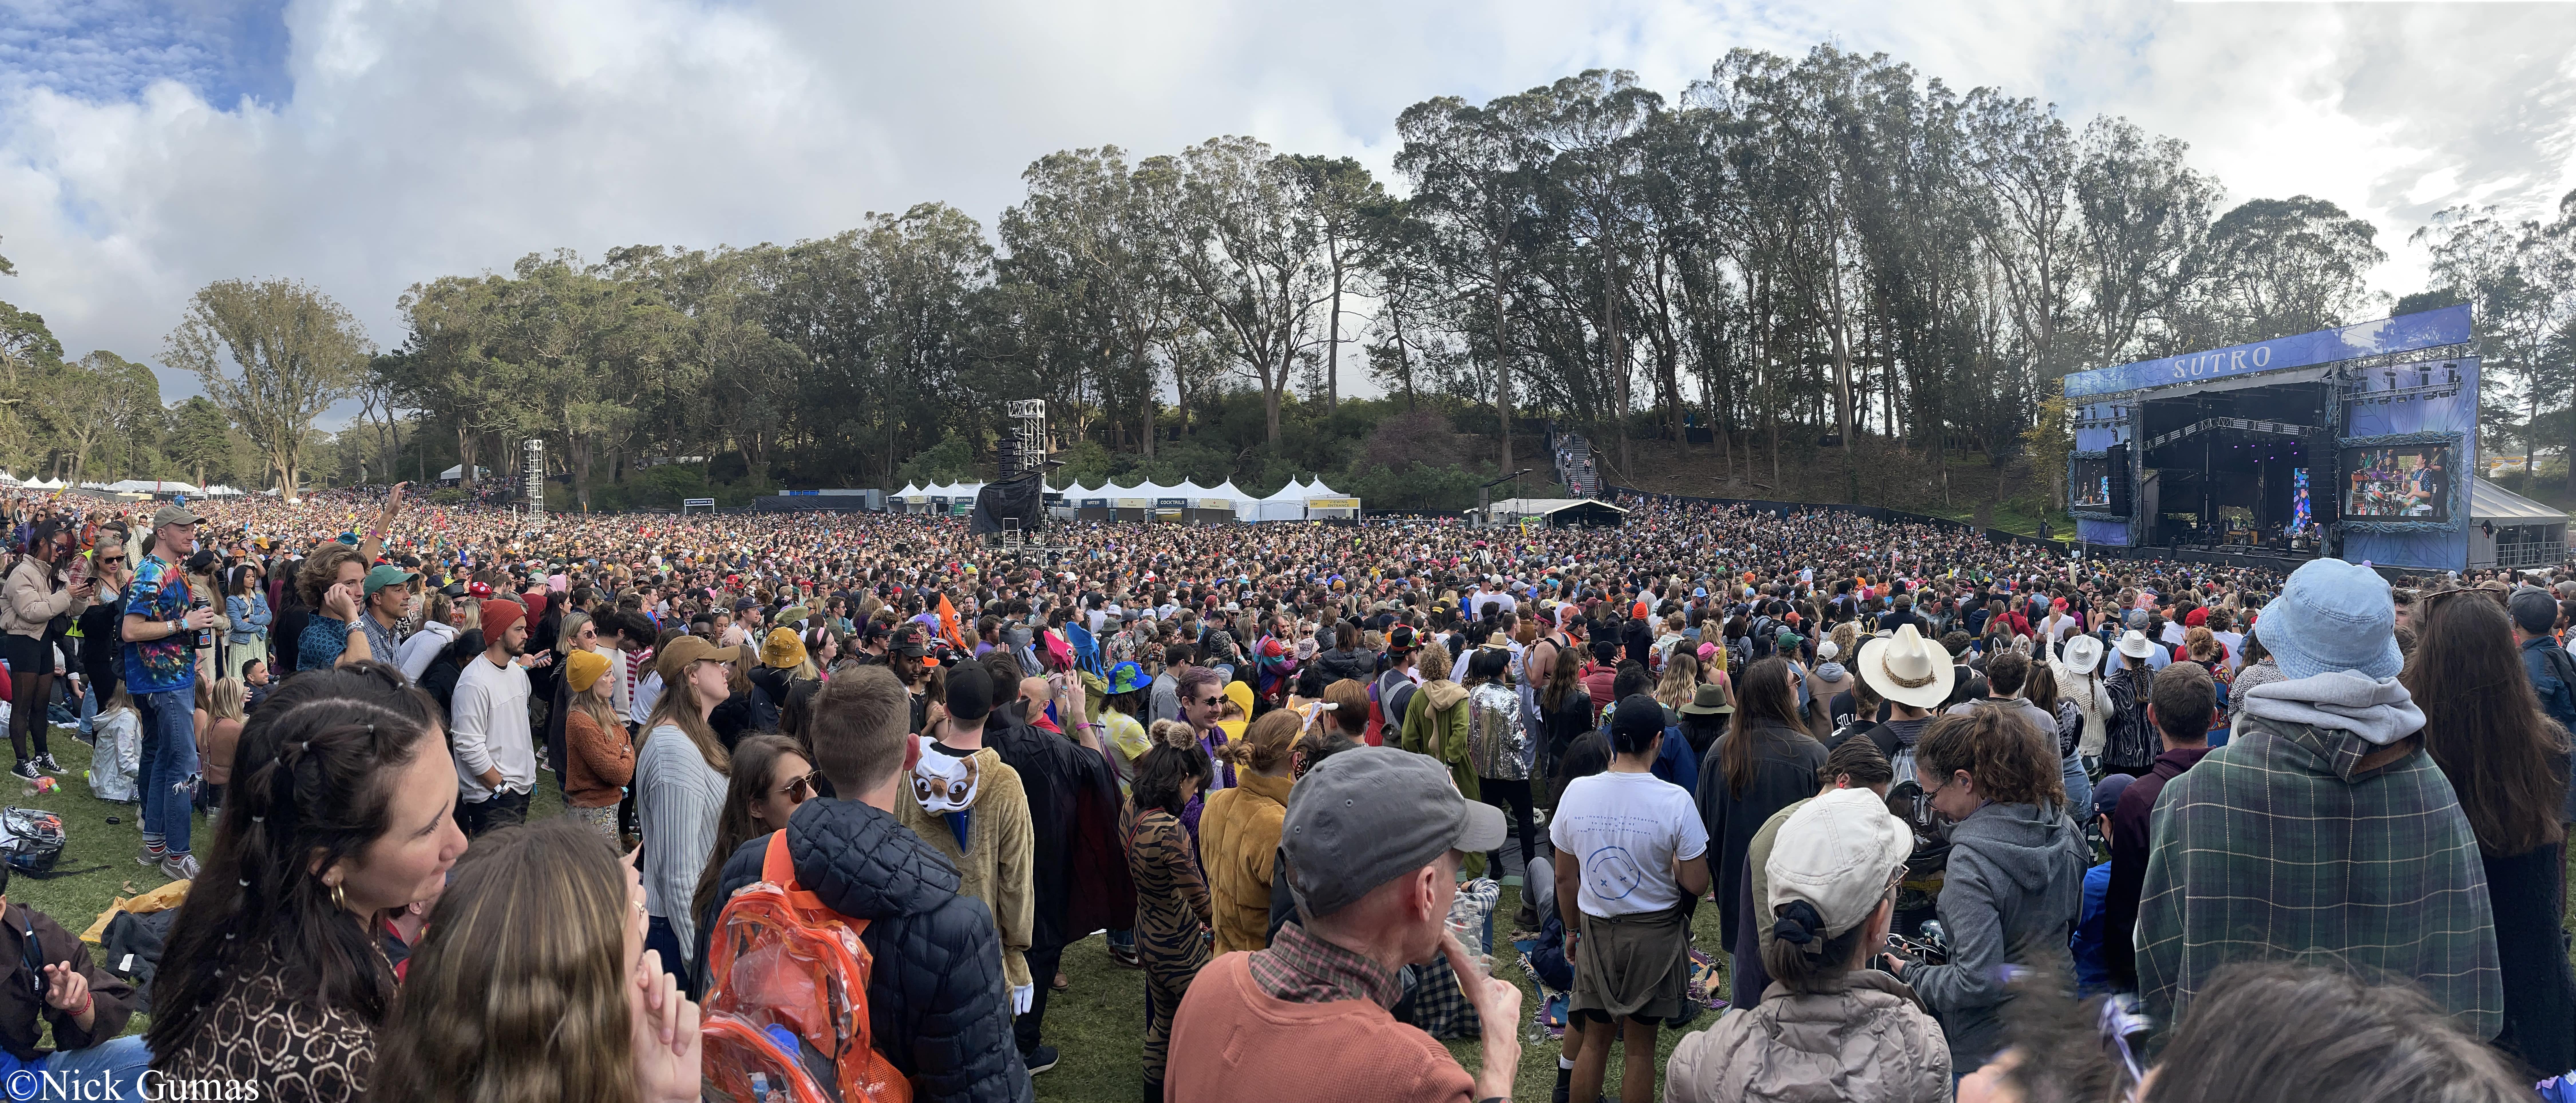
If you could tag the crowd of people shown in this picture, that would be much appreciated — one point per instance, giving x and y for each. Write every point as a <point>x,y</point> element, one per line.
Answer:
<point>2281,835</point>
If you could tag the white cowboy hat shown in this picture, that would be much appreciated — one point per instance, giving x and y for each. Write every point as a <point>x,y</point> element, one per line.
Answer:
<point>2084,655</point>
<point>1907,669</point>
<point>2133,643</point>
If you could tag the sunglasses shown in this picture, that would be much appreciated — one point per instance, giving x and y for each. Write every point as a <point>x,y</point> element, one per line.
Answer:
<point>801,789</point>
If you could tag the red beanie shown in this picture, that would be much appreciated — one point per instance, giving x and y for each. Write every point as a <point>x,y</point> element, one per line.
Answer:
<point>498,616</point>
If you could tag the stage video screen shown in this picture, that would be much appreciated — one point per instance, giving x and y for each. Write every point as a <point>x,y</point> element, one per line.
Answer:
<point>2411,483</point>
<point>2302,512</point>
<point>2092,484</point>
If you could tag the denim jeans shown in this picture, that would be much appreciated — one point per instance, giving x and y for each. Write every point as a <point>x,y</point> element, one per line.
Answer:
<point>168,777</point>
<point>112,1069</point>
<point>89,710</point>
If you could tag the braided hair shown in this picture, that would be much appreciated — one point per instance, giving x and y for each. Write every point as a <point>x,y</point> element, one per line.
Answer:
<point>311,784</point>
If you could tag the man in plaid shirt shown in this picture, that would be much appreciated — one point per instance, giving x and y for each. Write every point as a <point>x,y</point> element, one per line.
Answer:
<point>2322,830</point>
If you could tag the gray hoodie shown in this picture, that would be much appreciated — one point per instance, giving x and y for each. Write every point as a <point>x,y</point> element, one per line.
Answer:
<point>2379,710</point>
<point>2008,902</point>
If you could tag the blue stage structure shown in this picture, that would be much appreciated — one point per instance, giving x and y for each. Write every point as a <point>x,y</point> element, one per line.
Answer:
<point>2359,441</point>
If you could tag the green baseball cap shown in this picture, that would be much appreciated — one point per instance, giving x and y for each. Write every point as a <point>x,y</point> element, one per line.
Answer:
<point>386,574</point>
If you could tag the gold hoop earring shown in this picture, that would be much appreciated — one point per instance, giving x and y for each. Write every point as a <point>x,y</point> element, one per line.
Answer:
<point>340,897</point>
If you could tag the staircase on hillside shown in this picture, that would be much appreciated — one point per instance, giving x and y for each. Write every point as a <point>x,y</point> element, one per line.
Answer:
<point>1572,456</point>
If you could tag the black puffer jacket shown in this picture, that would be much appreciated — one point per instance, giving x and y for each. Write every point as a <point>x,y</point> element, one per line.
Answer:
<point>1354,664</point>
<point>936,1005</point>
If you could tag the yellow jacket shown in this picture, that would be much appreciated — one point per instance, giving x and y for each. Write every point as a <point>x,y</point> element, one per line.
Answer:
<point>1239,840</point>
<point>995,867</point>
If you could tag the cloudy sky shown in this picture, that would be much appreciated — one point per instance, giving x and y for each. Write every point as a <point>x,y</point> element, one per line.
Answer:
<point>149,146</point>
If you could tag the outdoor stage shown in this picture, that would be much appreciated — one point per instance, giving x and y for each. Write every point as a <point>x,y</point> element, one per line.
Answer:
<point>2359,442</point>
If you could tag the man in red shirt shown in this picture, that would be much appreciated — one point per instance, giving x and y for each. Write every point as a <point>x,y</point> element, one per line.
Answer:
<point>1372,838</point>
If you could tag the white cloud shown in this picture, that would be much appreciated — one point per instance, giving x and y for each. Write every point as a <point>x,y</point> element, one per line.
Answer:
<point>422,137</point>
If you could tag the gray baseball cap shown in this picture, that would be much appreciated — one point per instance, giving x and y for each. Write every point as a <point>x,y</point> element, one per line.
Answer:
<point>1369,815</point>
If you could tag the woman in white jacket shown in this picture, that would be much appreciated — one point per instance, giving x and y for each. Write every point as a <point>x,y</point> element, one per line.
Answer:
<point>2079,679</point>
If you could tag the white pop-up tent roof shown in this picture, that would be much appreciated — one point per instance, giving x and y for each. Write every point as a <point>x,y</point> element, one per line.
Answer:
<point>1288,503</point>
<point>144,486</point>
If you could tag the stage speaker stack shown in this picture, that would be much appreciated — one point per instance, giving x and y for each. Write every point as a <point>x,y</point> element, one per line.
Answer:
<point>2118,457</point>
<point>2326,487</point>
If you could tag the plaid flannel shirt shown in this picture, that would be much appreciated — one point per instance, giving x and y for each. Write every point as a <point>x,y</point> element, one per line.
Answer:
<point>2277,845</point>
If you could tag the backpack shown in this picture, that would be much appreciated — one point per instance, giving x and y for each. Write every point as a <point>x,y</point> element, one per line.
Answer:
<point>787,998</point>
<point>31,839</point>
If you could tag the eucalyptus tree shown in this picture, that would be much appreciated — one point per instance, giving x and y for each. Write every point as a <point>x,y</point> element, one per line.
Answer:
<point>2145,222</point>
<point>1471,169</point>
<point>1258,264</point>
<point>2283,266</point>
<point>273,354</point>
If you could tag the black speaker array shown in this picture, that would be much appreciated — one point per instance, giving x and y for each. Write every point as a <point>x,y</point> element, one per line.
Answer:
<point>2118,457</point>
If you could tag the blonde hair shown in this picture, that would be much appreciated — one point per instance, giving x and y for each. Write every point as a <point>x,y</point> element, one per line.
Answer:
<point>594,703</point>
<point>572,623</point>
<point>1846,639</point>
<point>1681,680</point>
<point>517,992</point>
<point>1266,743</point>
<point>226,702</point>
<point>1172,733</point>
<point>1434,661</point>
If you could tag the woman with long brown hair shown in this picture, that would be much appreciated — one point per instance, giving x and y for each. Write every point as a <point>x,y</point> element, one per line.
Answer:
<point>2508,763</point>
<point>1765,762</point>
<point>532,983</point>
<point>771,777</point>
<point>342,808</point>
<point>680,781</point>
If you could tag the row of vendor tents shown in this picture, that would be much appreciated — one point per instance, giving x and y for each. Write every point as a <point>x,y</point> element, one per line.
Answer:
<point>156,487</point>
<point>1299,500</point>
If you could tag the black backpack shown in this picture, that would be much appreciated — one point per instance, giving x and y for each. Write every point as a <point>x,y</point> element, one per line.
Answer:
<point>439,681</point>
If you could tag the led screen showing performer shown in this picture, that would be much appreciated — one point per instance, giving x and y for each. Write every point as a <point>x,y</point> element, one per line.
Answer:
<point>2300,513</point>
<point>2092,484</point>
<point>2411,483</point>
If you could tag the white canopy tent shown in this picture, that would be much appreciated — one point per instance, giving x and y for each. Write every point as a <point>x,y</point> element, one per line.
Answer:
<point>2509,530</point>
<point>1288,503</point>
<point>147,486</point>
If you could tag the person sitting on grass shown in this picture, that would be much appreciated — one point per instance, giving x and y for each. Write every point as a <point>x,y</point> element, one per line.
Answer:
<point>50,982</point>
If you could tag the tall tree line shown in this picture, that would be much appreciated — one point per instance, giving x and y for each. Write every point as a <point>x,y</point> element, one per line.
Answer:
<point>1829,247</point>
<point>1791,254</point>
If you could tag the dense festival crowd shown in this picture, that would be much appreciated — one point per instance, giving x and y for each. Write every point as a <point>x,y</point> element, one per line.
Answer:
<point>1978,819</point>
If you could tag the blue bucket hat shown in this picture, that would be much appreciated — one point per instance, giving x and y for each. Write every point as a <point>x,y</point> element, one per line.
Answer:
<point>1126,678</point>
<point>2333,615</point>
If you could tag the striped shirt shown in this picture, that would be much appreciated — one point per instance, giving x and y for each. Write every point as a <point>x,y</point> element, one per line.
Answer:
<point>677,799</point>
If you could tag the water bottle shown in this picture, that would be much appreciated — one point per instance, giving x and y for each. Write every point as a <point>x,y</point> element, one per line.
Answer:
<point>205,636</point>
